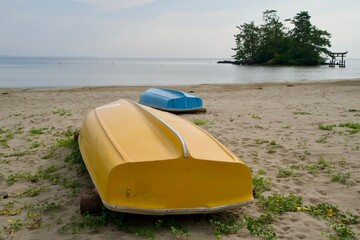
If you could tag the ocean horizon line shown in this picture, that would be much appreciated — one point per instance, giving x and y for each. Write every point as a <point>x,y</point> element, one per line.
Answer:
<point>101,57</point>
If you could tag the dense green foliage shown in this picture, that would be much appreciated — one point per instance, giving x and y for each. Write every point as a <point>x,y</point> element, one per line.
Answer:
<point>273,43</point>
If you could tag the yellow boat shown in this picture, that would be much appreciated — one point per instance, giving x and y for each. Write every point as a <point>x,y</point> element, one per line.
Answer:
<point>147,161</point>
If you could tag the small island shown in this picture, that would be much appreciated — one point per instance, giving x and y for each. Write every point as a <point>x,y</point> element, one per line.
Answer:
<point>273,43</point>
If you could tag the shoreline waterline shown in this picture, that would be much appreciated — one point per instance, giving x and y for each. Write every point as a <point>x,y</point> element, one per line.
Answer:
<point>32,72</point>
<point>208,87</point>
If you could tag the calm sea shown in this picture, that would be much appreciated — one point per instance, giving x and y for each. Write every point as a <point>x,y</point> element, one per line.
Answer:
<point>37,72</point>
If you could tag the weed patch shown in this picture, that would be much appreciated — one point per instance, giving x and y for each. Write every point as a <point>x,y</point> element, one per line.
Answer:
<point>13,225</point>
<point>16,154</point>
<point>226,225</point>
<point>322,139</point>
<point>301,113</point>
<point>73,158</point>
<point>332,213</point>
<point>354,126</point>
<point>273,146</point>
<point>34,145</point>
<point>45,206</point>
<point>261,141</point>
<point>180,233</point>
<point>26,176</point>
<point>37,131</point>
<point>58,179</point>
<point>199,122</point>
<point>261,226</point>
<point>258,126</point>
<point>260,185</point>
<point>139,225</point>
<point>32,192</point>
<point>339,220</point>
<point>305,155</point>
<point>254,116</point>
<point>324,164</point>
<point>277,204</point>
<point>342,231</point>
<point>62,112</point>
<point>284,173</point>
<point>10,209</point>
<point>321,165</point>
<point>342,161</point>
<point>5,137</point>
<point>326,127</point>
<point>34,221</point>
<point>340,177</point>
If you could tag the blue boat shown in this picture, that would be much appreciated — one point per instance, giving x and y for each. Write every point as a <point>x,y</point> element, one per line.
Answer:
<point>171,100</point>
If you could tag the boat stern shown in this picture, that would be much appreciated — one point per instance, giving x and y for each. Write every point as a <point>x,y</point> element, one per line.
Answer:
<point>182,186</point>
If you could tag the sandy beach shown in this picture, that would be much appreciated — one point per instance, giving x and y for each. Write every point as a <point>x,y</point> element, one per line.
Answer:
<point>297,137</point>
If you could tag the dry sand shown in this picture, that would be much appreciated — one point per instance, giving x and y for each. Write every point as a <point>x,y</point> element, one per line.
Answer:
<point>239,116</point>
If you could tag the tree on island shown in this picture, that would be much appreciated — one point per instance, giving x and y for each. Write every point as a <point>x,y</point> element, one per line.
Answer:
<point>273,43</point>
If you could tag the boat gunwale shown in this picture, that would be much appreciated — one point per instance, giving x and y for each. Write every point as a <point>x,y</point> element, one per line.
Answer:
<point>174,211</point>
<point>177,110</point>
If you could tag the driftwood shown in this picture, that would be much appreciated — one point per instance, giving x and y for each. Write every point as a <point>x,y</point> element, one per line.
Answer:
<point>90,203</point>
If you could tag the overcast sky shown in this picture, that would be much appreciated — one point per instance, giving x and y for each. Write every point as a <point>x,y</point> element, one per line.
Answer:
<point>157,28</point>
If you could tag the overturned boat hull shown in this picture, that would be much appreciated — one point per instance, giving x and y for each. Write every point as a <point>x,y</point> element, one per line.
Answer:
<point>146,161</point>
<point>171,100</point>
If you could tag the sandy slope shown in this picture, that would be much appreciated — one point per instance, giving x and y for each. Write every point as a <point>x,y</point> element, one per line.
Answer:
<point>238,115</point>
